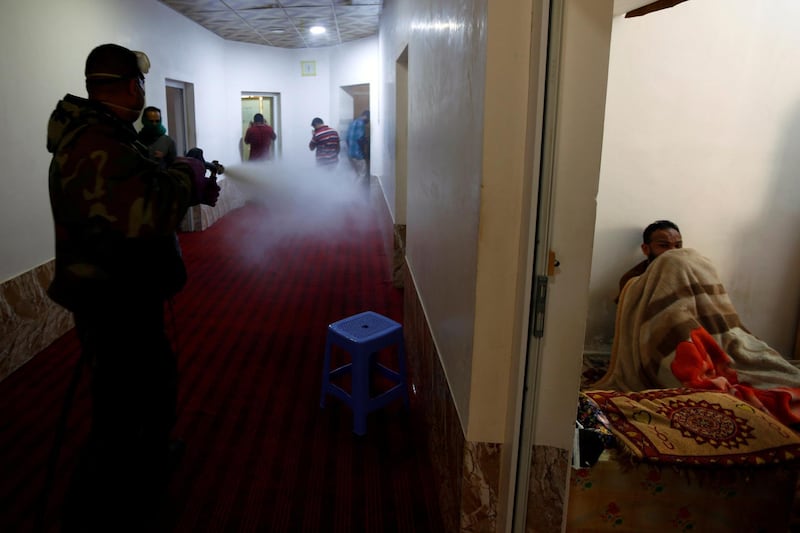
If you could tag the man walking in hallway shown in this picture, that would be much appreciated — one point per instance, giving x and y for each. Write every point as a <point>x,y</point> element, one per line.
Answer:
<point>357,147</point>
<point>325,140</point>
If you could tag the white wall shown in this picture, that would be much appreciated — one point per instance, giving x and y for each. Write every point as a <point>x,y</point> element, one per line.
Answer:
<point>467,65</point>
<point>255,68</point>
<point>703,128</point>
<point>42,62</point>
<point>445,64</point>
<point>45,45</point>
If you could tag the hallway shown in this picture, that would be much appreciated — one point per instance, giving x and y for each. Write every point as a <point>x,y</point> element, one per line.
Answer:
<point>249,329</point>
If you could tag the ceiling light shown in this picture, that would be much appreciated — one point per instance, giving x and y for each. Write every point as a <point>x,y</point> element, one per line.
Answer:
<point>316,30</point>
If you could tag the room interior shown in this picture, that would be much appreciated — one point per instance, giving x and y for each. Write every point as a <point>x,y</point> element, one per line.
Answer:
<point>724,145</point>
<point>720,95</point>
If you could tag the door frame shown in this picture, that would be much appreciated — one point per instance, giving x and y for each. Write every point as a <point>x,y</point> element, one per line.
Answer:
<point>576,65</point>
<point>180,111</point>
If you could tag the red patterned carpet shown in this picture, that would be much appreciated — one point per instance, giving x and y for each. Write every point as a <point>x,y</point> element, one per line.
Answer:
<point>250,328</point>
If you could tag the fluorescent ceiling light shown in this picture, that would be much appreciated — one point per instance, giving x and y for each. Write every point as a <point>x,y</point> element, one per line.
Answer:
<point>316,30</point>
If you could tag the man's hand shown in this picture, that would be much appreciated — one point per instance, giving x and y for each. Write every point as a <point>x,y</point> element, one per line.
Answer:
<point>210,192</point>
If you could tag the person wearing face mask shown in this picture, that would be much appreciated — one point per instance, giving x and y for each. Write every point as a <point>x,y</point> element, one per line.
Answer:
<point>116,213</point>
<point>153,134</point>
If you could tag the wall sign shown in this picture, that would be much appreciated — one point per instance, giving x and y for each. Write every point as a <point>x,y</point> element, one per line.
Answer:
<point>308,68</point>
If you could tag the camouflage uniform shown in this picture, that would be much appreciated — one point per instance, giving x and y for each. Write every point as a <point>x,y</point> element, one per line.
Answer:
<point>115,213</point>
<point>115,216</point>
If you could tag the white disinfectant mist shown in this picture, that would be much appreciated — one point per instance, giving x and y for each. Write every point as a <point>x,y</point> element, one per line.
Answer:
<point>305,198</point>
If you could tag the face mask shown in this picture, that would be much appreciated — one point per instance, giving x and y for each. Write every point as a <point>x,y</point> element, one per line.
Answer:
<point>154,129</point>
<point>126,113</point>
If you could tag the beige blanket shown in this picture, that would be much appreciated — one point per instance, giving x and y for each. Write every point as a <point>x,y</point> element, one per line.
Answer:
<point>676,327</point>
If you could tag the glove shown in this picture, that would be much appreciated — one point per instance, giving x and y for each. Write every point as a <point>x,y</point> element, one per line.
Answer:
<point>204,190</point>
<point>213,166</point>
<point>210,193</point>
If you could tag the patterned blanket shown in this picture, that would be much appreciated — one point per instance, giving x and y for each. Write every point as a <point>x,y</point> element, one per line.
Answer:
<point>676,327</point>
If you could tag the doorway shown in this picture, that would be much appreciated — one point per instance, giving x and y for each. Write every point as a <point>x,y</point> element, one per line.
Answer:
<point>181,127</point>
<point>571,70</point>
<point>268,104</point>
<point>354,100</point>
<point>180,114</point>
<point>401,140</point>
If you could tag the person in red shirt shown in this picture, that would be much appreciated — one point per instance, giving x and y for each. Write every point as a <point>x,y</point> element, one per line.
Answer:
<point>259,136</point>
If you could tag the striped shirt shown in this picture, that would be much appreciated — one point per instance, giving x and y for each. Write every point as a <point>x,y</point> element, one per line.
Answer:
<point>326,142</point>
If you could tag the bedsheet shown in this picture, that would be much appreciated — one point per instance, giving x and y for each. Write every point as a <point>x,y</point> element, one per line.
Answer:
<point>616,496</point>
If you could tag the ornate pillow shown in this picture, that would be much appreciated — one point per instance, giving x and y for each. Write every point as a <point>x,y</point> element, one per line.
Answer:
<point>693,427</point>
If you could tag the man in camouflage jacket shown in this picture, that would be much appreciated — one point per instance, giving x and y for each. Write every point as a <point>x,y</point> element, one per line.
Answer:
<point>116,215</point>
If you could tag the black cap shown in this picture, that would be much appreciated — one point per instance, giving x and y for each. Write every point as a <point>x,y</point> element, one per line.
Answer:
<point>112,61</point>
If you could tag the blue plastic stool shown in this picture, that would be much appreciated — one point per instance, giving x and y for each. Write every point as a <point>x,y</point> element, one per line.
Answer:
<point>363,336</point>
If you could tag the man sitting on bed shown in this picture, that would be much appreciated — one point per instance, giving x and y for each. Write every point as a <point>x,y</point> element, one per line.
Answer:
<point>657,238</point>
<point>676,326</point>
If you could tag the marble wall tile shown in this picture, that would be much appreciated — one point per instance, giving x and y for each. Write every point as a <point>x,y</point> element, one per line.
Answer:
<point>480,487</point>
<point>230,198</point>
<point>547,489</point>
<point>201,217</point>
<point>467,473</point>
<point>433,409</point>
<point>398,255</point>
<point>29,320</point>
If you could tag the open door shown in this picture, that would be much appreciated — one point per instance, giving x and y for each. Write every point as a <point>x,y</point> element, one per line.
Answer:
<point>573,66</point>
<point>180,114</point>
<point>181,127</point>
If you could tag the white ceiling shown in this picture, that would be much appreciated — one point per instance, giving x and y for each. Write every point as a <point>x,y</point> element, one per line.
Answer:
<point>284,23</point>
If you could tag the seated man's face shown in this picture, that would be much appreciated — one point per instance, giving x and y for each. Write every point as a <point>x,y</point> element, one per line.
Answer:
<point>660,241</point>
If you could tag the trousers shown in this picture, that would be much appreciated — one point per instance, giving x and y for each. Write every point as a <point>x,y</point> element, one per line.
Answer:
<point>122,473</point>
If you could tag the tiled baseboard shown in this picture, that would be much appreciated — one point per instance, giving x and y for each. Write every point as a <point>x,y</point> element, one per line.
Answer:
<point>29,320</point>
<point>201,217</point>
<point>468,473</point>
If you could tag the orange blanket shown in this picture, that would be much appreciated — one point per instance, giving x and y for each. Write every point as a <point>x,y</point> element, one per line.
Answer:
<point>676,327</point>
